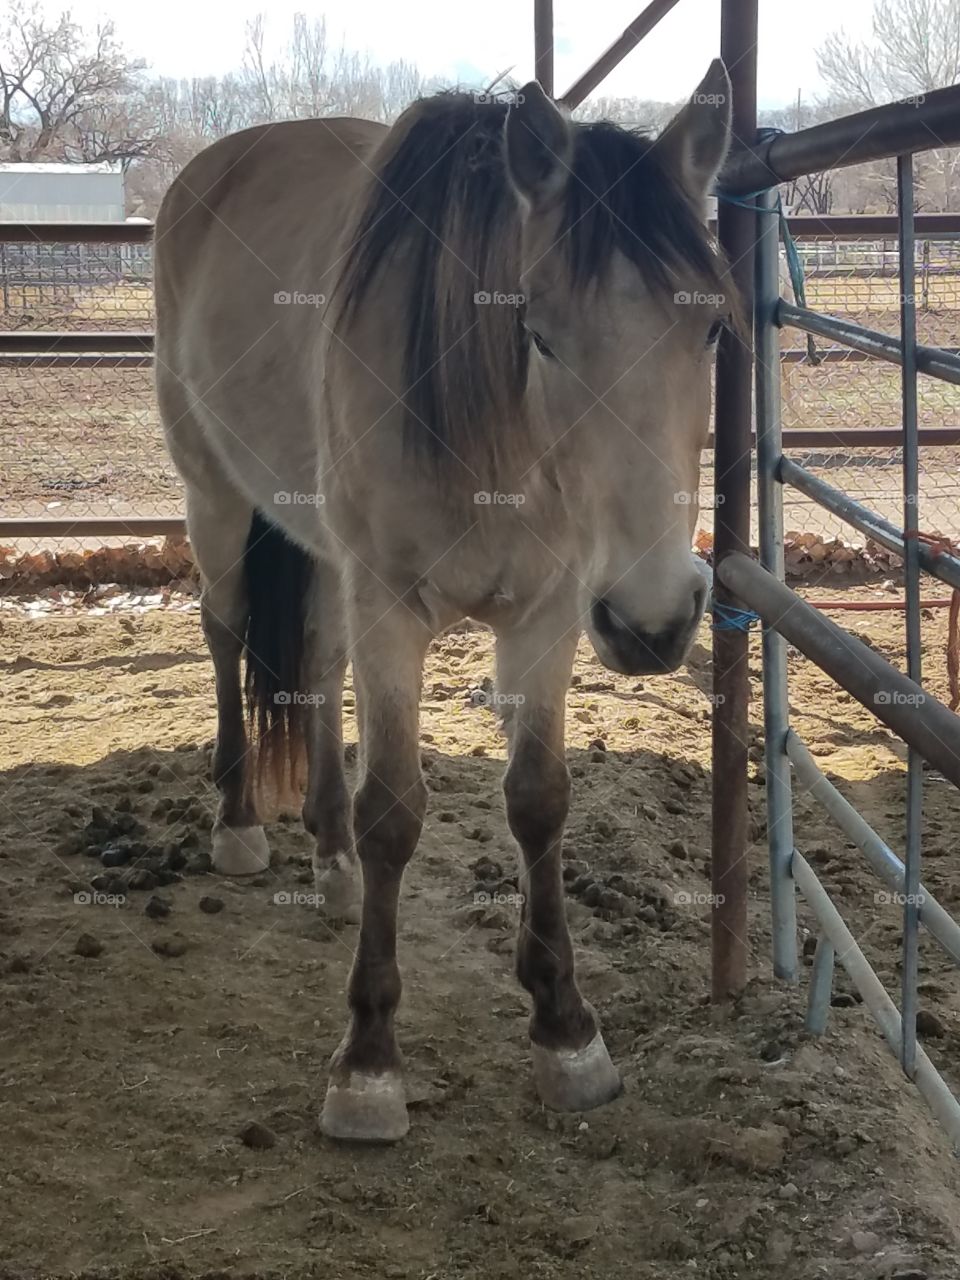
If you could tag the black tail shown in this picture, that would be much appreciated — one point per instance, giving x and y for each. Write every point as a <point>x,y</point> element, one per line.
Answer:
<point>278,574</point>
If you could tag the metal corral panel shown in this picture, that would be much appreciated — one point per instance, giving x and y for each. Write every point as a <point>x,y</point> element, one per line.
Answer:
<point>61,192</point>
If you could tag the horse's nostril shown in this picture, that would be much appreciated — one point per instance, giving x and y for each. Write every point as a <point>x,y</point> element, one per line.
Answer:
<point>604,619</point>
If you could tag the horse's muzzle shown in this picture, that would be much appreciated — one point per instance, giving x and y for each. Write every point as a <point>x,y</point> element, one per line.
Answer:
<point>635,651</point>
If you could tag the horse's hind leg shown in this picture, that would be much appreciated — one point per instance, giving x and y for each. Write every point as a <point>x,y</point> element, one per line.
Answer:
<point>572,1069</point>
<point>218,522</point>
<point>365,1098</point>
<point>326,808</point>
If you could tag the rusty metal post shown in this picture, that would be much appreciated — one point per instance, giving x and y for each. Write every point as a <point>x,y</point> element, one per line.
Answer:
<point>736,228</point>
<point>543,44</point>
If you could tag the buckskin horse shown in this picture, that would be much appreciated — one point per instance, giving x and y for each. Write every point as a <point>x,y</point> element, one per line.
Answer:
<point>456,367</point>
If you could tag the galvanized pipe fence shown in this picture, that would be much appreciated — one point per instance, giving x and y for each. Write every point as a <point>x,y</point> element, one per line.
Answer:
<point>930,729</point>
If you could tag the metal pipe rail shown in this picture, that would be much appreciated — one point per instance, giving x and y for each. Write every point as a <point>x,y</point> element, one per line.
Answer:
<point>933,361</point>
<point>736,233</point>
<point>899,128</point>
<point>611,58</point>
<point>859,226</point>
<point>878,853</point>
<point>832,226</point>
<point>37,343</point>
<point>938,564</point>
<point>543,44</point>
<point>76,232</point>
<point>925,1075</point>
<point>916,716</point>
<point>92,526</point>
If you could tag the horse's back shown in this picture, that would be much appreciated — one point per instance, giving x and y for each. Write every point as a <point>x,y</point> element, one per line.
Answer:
<point>252,222</point>
<point>261,190</point>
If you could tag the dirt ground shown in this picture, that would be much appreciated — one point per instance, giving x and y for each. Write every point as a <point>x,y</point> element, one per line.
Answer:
<point>144,1043</point>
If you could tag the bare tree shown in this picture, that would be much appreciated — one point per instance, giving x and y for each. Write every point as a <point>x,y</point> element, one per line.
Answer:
<point>66,94</point>
<point>914,49</point>
<point>636,113</point>
<point>307,77</point>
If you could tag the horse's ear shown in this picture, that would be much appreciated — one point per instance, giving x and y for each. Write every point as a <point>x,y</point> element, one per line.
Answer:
<point>539,146</point>
<point>697,139</point>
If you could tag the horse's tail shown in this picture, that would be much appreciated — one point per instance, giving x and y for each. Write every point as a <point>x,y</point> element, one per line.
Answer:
<point>278,579</point>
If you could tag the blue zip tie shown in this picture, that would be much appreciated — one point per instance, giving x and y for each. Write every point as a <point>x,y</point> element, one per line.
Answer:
<point>794,265</point>
<point>728,618</point>
<point>744,201</point>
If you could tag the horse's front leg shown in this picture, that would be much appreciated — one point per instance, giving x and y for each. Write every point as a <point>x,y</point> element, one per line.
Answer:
<point>365,1098</point>
<point>572,1069</point>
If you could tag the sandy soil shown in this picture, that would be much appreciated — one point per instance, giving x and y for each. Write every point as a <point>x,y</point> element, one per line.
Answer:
<point>143,1044</point>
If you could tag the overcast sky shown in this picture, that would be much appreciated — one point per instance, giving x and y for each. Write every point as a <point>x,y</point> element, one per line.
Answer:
<point>471,42</point>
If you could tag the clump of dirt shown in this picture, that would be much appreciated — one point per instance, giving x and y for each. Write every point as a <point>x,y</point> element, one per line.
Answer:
<point>160,1095</point>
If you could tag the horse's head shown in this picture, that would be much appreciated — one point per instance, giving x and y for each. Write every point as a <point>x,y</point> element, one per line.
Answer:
<point>625,302</point>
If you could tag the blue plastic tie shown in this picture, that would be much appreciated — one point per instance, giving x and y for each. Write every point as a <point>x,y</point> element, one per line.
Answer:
<point>794,265</point>
<point>726,617</point>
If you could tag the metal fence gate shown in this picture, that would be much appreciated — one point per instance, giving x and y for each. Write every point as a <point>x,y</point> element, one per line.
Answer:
<point>749,231</point>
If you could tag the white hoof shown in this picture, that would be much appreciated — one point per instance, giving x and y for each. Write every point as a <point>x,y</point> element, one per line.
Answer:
<point>239,851</point>
<point>366,1108</point>
<point>575,1079</point>
<point>338,888</point>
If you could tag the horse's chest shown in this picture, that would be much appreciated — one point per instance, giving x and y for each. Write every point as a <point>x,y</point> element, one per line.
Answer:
<point>493,583</point>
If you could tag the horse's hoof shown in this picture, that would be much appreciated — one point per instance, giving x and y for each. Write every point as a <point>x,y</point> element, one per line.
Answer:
<point>575,1079</point>
<point>239,851</point>
<point>366,1108</point>
<point>338,889</point>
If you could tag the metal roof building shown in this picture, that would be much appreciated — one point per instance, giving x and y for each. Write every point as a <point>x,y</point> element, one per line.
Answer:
<point>61,192</point>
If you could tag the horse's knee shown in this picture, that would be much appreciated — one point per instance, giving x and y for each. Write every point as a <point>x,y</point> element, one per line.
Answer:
<point>537,793</point>
<point>223,613</point>
<point>325,810</point>
<point>387,821</point>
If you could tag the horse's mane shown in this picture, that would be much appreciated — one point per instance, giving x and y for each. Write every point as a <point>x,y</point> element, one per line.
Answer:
<point>440,197</point>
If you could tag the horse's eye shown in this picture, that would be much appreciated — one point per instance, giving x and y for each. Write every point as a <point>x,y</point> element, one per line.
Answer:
<point>716,329</point>
<point>541,346</point>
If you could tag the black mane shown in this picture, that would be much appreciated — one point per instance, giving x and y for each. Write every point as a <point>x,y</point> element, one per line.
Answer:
<point>441,202</point>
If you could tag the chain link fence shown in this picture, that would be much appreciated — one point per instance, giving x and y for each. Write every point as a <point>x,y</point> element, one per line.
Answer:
<point>80,436</point>
<point>832,389</point>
